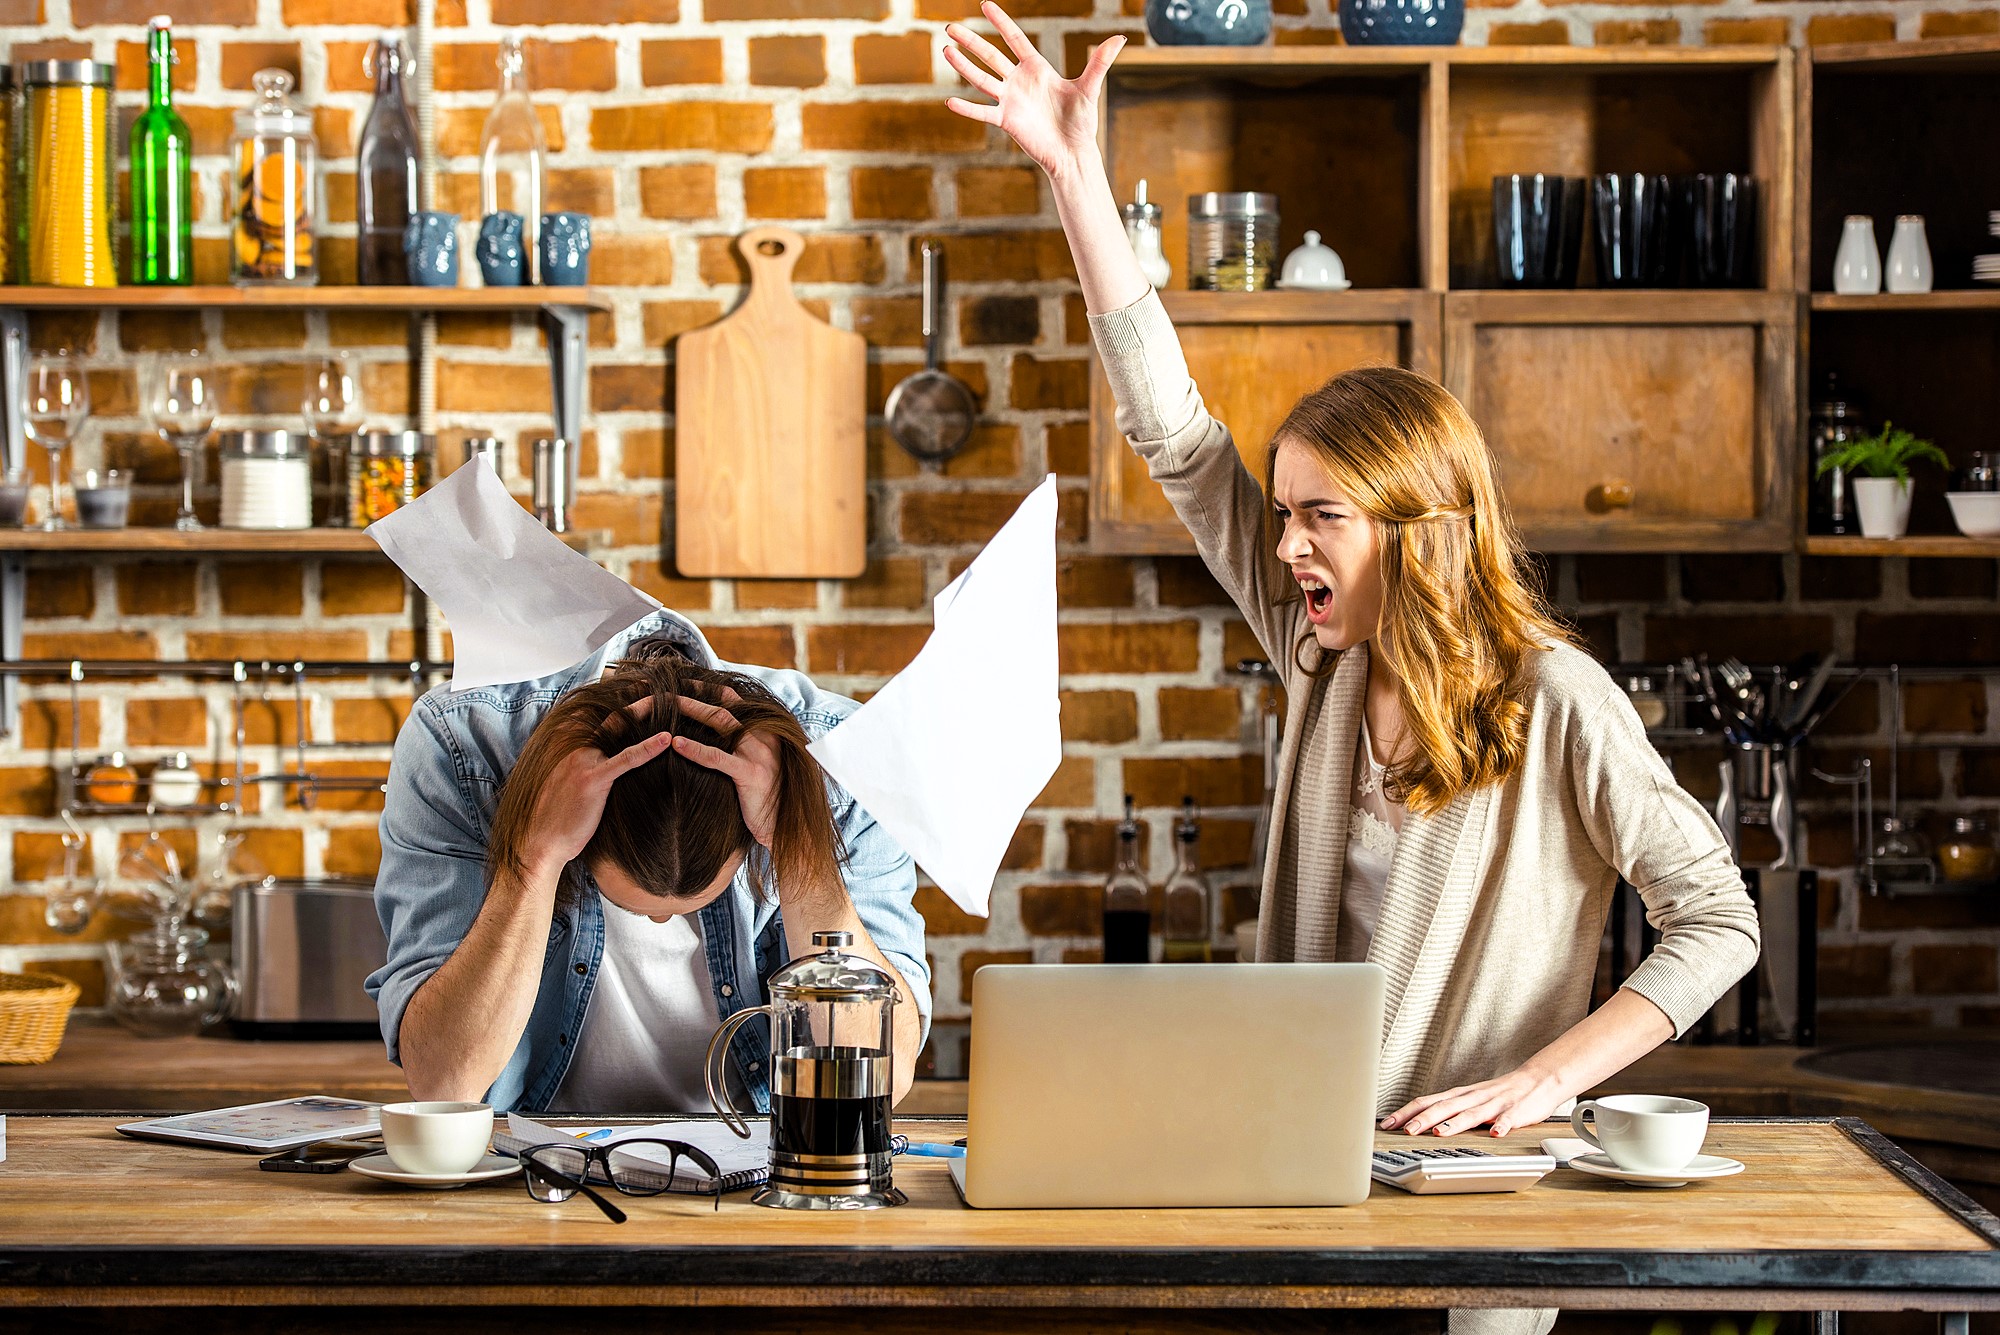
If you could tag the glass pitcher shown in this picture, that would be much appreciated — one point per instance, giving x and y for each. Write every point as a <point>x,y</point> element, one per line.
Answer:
<point>831,1081</point>
<point>164,986</point>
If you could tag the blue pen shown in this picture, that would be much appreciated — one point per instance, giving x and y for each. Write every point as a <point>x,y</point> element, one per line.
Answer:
<point>925,1149</point>
<point>600,1134</point>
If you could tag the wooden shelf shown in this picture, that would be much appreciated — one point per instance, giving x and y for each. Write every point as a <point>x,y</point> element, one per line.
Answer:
<point>1957,54</point>
<point>1601,305</point>
<point>1352,60</point>
<point>1914,544</point>
<point>1355,305</point>
<point>415,299</point>
<point>223,541</point>
<point>1975,299</point>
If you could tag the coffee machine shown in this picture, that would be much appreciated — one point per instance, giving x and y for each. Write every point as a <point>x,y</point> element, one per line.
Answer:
<point>832,1080</point>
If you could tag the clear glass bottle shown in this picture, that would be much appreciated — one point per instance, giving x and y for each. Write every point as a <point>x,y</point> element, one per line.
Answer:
<point>513,155</point>
<point>162,184</point>
<point>385,169</point>
<point>1142,229</point>
<point>275,157</point>
<point>1232,241</point>
<point>1128,913</point>
<point>1185,920</point>
<point>1833,423</point>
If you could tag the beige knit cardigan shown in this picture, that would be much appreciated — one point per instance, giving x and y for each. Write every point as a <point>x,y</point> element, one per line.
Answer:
<point>1495,906</point>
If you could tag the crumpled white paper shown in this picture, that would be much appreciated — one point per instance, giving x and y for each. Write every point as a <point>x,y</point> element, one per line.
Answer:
<point>521,605</point>
<point>949,754</point>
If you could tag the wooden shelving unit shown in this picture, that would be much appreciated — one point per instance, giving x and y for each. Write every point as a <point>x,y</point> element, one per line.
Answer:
<point>1909,545</point>
<point>219,542</point>
<point>1986,299</point>
<point>1687,400</point>
<point>415,299</point>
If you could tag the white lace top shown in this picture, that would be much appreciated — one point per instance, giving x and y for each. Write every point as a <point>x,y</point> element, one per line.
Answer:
<point>1373,822</point>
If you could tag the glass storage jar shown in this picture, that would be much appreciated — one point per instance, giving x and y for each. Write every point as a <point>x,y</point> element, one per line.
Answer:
<point>386,470</point>
<point>1968,854</point>
<point>274,160</point>
<point>266,479</point>
<point>10,193</point>
<point>1232,241</point>
<point>68,171</point>
<point>164,985</point>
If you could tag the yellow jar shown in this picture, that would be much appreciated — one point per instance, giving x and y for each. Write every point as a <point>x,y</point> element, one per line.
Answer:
<point>69,176</point>
<point>10,159</point>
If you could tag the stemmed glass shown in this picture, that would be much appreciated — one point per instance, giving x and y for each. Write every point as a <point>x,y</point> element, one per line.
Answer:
<point>182,409</point>
<point>332,410</point>
<point>58,401</point>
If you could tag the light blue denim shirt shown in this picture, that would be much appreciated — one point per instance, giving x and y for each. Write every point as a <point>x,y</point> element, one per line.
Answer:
<point>444,782</point>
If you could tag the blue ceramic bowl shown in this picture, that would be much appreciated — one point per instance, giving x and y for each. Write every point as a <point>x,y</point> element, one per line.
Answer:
<point>1401,22</point>
<point>1208,22</point>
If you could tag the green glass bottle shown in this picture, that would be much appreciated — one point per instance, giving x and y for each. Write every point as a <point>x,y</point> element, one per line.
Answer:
<point>162,187</point>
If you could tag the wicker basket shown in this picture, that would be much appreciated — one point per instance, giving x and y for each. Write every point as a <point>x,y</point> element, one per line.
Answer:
<point>34,1010</point>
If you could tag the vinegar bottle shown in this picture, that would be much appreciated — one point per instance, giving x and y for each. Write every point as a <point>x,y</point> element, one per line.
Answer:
<point>512,156</point>
<point>1128,916</point>
<point>162,186</point>
<point>386,171</point>
<point>1184,911</point>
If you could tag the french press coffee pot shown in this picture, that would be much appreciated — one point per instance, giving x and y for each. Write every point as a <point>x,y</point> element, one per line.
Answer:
<point>831,1081</point>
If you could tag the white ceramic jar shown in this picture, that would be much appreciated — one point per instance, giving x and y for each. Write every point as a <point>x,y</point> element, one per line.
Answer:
<point>1909,265</point>
<point>1857,265</point>
<point>266,480</point>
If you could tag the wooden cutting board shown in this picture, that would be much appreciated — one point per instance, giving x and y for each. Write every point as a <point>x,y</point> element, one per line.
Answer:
<point>770,473</point>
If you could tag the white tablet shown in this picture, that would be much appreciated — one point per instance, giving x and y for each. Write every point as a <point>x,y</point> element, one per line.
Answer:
<point>281,1124</point>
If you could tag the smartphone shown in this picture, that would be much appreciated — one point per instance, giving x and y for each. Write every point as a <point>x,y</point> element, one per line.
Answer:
<point>322,1156</point>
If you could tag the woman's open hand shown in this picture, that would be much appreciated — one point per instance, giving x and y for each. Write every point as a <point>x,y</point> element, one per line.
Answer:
<point>1053,119</point>
<point>752,766</point>
<point>571,804</point>
<point>1519,1098</point>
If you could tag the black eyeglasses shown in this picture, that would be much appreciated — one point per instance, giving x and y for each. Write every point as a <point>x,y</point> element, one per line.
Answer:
<point>555,1173</point>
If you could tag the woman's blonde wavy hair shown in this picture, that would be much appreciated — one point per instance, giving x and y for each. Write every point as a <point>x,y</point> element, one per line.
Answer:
<point>1461,607</point>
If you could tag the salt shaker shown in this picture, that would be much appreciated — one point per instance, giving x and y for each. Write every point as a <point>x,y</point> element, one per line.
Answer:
<point>1142,229</point>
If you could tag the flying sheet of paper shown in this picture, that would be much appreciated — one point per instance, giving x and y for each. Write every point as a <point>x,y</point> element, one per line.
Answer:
<point>520,603</point>
<point>950,753</point>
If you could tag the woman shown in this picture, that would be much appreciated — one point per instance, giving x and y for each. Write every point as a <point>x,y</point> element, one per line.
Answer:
<point>660,842</point>
<point>1460,786</point>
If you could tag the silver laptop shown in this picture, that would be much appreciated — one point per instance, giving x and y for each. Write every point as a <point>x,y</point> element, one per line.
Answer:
<point>1122,1085</point>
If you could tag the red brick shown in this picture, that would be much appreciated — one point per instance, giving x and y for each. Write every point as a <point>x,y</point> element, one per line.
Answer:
<point>1943,639</point>
<point>90,644</point>
<point>458,130</point>
<point>889,322</point>
<point>242,60</point>
<point>863,650</point>
<point>632,519</point>
<point>681,190</point>
<point>1949,970</point>
<point>1226,781</point>
<point>61,591</point>
<point>1062,910</point>
<point>888,582</point>
<point>941,517</point>
<point>135,13</point>
<point>1100,716</point>
<point>1834,29</point>
<point>262,589</point>
<point>893,58</point>
<point>1637,32</point>
<point>133,60</point>
<point>28,792</point>
<point>373,13</point>
<point>1885,913</point>
<point>827,258</point>
<point>718,127</point>
<point>901,127</point>
<point>1969,579</point>
<point>999,192</point>
<point>942,11</point>
<point>1068,448</point>
<point>1129,647</point>
<point>155,589</point>
<point>944,918</point>
<point>355,588</point>
<point>1208,712</point>
<point>778,594</point>
<point>784,192</point>
<point>1003,257</point>
<point>1093,845</point>
<point>1035,382</point>
<point>890,193</point>
<point>1854,971</point>
<point>1970,23</point>
<point>352,850</point>
<point>537,13</point>
<point>1553,32</point>
<point>37,857</point>
<point>45,724</point>
<point>998,319</point>
<point>1747,32</point>
<point>681,61</point>
<point>180,723</point>
<point>87,974</point>
<point>729,11</point>
<point>1094,581</point>
<point>1944,706</point>
<point>1763,638</point>
<point>375,719</point>
<point>972,961</point>
<point>280,645</point>
<point>1074,784</point>
<point>767,646</point>
<point>788,62</point>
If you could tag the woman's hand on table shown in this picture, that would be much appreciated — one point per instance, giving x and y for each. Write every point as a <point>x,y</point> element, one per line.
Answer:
<point>752,766</point>
<point>1053,119</point>
<point>1522,1097</point>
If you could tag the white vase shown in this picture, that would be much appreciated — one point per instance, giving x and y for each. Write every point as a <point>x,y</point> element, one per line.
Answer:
<point>1909,265</point>
<point>1883,504</point>
<point>1857,265</point>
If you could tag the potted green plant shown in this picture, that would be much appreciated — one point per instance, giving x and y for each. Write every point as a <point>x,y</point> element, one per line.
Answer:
<point>1878,466</point>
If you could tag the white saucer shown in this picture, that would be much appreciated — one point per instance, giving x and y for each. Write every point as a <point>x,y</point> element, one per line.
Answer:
<point>486,1170</point>
<point>1699,1168</point>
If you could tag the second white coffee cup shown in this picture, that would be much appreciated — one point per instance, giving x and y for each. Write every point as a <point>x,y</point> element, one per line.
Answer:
<point>1643,1133</point>
<point>436,1138</point>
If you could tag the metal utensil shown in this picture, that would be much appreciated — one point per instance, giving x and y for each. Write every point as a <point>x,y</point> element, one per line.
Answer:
<point>931,413</point>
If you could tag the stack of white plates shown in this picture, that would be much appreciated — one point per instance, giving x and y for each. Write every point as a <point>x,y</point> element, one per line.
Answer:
<point>1986,268</point>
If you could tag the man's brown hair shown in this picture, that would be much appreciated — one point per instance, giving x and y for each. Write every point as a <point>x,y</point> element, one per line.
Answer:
<point>670,824</point>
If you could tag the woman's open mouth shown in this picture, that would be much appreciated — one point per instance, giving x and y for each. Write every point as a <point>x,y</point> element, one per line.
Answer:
<point>1319,598</point>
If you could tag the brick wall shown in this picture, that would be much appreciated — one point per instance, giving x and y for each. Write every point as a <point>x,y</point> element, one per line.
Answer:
<point>677,123</point>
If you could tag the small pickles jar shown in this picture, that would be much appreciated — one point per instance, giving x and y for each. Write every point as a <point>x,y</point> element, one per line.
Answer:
<point>274,187</point>
<point>1232,241</point>
<point>386,470</point>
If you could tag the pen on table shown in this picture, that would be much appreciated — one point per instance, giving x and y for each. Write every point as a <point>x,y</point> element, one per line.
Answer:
<point>601,1133</point>
<point>925,1149</point>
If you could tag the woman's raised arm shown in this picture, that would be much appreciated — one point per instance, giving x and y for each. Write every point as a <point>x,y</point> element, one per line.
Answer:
<point>1054,120</point>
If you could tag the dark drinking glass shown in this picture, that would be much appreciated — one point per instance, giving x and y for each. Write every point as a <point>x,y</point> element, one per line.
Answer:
<point>1720,209</point>
<point>1538,229</point>
<point>386,168</point>
<point>1634,231</point>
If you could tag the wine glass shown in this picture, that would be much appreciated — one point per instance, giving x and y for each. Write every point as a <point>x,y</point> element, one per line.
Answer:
<point>58,401</point>
<point>333,397</point>
<point>182,409</point>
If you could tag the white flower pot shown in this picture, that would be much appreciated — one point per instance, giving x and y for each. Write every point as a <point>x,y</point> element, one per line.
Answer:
<point>1883,505</point>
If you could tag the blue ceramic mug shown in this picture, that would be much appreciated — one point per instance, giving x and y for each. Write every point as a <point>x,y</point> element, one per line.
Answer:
<point>565,246</point>
<point>500,256</point>
<point>430,245</point>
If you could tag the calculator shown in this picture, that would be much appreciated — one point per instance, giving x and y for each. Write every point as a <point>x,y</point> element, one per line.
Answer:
<point>1452,1171</point>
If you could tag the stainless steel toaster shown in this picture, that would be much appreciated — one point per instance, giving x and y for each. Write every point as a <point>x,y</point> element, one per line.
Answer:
<point>301,950</point>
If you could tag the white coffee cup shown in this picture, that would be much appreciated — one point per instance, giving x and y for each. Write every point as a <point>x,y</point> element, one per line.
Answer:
<point>436,1138</point>
<point>1643,1133</point>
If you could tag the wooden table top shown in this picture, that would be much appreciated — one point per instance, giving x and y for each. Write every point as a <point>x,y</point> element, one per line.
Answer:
<point>1824,1208</point>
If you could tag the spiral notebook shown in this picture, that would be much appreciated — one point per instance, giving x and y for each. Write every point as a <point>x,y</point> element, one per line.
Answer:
<point>744,1163</point>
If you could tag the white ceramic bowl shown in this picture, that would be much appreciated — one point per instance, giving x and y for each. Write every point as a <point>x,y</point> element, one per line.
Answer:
<point>1977,513</point>
<point>436,1138</point>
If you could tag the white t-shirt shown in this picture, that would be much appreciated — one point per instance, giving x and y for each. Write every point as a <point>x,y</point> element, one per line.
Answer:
<point>646,1031</point>
<point>1373,825</point>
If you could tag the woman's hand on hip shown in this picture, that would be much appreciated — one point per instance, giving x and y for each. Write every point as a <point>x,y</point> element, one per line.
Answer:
<point>752,766</point>
<point>1053,119</point>
<point>571,804</point>
<point>1519,1098</point>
